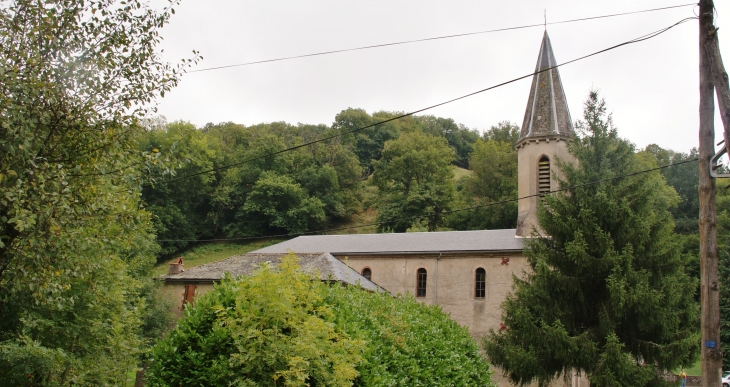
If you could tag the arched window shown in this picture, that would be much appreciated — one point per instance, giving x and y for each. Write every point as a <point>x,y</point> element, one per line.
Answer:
<point>367,273</point>
<point>480,281</point>
<point>421,283</point>
<point>543,175</point>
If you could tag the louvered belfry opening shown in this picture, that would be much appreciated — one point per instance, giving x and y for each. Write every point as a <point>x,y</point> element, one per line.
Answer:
<point>543,176</point>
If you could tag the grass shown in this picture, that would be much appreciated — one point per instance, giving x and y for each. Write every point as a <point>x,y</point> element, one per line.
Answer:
<point>366,217</point>
<point>460,172</point>
<point>693,370</point>
<point>212,252</point>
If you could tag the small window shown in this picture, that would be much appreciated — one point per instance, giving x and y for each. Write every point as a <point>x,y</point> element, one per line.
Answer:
<point>367,273</point>
<point>481,283</point>
<point>421,283</point>
<point>543,176</point>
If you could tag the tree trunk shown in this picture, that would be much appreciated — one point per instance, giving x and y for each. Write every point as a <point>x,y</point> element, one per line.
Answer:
<point>711,354</point>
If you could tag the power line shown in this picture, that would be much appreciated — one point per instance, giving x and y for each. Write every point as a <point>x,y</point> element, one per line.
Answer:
<point>436,38</point>
<point>436,214</point>
<point>636,40</point>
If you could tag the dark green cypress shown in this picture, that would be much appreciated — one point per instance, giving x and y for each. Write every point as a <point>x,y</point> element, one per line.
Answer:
<point>607,293</point>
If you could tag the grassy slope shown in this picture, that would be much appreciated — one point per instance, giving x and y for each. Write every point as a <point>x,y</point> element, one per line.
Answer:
<point>460,172</point>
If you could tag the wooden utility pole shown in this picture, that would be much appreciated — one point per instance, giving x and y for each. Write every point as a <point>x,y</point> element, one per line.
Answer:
<point>711,354</point>
<point>719,75</point>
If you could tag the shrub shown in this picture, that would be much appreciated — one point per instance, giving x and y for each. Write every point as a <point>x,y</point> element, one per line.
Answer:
<point>280,325</point>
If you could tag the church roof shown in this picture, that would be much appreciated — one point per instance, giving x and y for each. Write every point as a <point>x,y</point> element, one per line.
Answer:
<point>416,242</point>
<point>328,267</point>
<point>547,111</point>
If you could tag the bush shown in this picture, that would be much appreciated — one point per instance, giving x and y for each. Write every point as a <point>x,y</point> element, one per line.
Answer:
<point>279,325</point>
<point>409,343</point>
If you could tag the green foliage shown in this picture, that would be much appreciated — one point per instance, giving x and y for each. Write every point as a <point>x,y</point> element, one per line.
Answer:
<point>272,326</point>
<point>409,344</point>
<point>280,325</point>
<point>607,293</point>
<point>277,202</point>
<point>505,131</point>
<point>414,179</point>
<point>684,178</point>
<point>311,186</point>
<point>180,207</point>
<point>494,179</point>
<point>322,178</point>
<point>76,77</point>
<point>460,138</point>
<point>723,244</point>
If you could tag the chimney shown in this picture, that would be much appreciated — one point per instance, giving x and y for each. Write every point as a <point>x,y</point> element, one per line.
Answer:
<point>176,267</point>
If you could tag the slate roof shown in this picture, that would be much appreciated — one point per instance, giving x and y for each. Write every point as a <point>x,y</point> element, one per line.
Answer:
<point>416,242</point>
<point>238,265</point>
<point>547,111</point>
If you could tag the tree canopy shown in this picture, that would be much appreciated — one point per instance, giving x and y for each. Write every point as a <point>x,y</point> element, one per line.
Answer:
<point>414,178</point>
<point>492,183</point>
<point>607,293</point>
<point>76,77</point>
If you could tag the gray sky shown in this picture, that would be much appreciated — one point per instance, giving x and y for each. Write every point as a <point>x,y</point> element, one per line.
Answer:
<point>650,87</point>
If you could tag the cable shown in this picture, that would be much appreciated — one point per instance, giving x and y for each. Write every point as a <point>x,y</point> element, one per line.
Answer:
<point>436,214</point>
<point>436,38</point>
<point>636,40</point>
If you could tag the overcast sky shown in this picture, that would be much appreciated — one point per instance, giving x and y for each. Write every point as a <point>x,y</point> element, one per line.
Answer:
<point>650,87</point>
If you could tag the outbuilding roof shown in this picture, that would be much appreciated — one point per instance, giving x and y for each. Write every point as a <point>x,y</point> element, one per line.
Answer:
<point>416,242</point>
<point>328,267</point>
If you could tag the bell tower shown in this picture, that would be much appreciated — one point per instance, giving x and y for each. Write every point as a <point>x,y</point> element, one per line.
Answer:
<point>544,137</point>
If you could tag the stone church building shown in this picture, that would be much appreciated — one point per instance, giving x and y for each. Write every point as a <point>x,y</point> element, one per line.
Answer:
<point>467,273</point>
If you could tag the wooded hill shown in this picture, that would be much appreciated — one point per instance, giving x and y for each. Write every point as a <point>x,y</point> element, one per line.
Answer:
<point>401,170</point>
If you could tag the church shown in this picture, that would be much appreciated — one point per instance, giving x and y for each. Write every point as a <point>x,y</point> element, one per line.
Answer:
<point>467,273</point>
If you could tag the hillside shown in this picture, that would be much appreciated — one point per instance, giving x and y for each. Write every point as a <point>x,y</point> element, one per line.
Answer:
<point>360,223</point>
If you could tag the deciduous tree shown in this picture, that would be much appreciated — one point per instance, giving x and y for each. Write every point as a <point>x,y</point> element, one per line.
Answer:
<point>414,178</point>
<point>75,79</point>
<point>493,180</point>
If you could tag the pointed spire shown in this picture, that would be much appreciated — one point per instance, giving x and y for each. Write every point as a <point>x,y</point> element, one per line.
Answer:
<point>547,109</point>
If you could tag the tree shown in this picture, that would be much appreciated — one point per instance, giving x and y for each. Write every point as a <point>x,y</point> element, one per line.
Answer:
<point>323,175</point>
<point>272,326</point>
<point>367,143</point>
<point>684,178</point>
<point>494,179</point>
<point>277,203</point>
<point>460,138</point>
<point>414,179</point>
<point>607,293</point>
<point>505,131</point>
<point>76,77</point>
<point>282,326</point>
<point>723,243</point>
<point>181,208</point>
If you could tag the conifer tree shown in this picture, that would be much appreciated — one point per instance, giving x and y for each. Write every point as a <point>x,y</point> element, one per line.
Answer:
<point>607,294</point>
